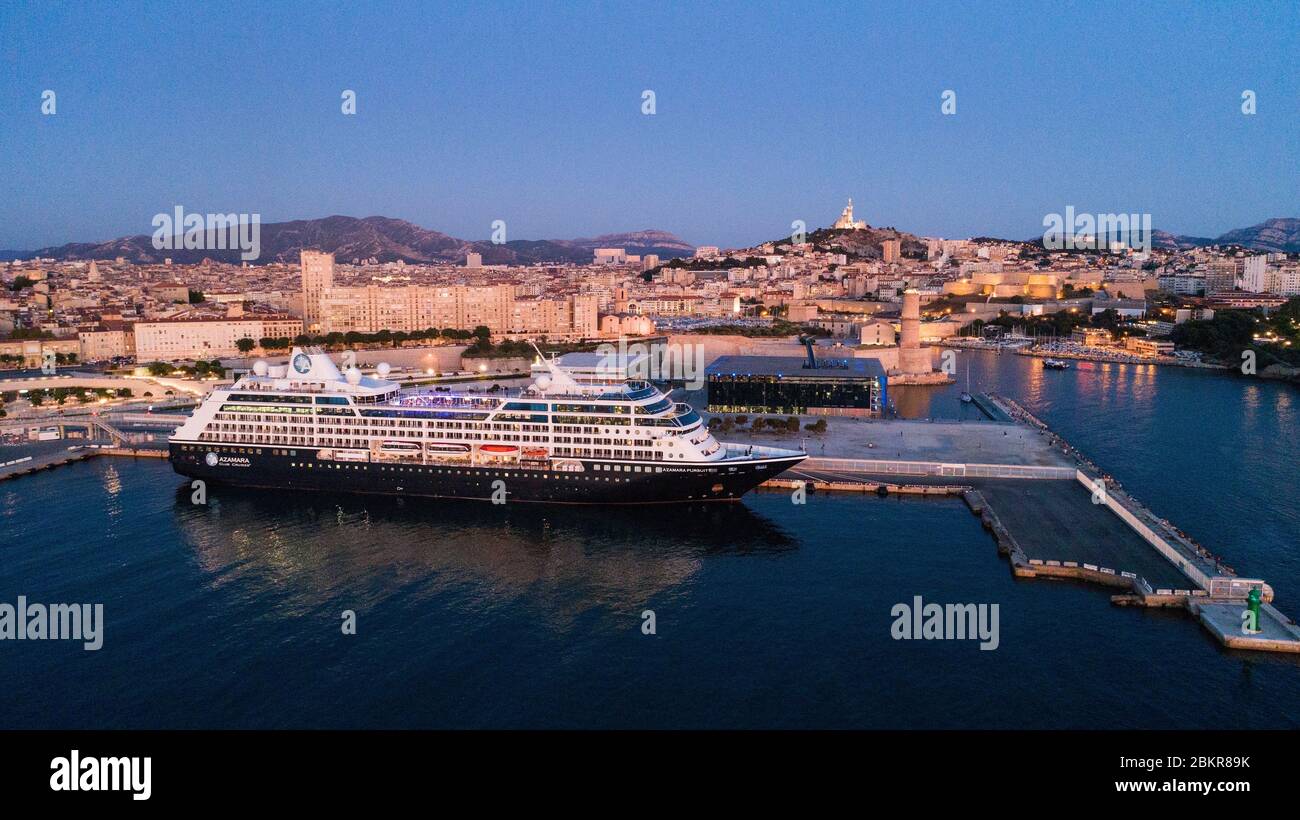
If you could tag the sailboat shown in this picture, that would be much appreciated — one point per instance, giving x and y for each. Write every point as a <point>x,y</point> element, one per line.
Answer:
<point>965,394</point>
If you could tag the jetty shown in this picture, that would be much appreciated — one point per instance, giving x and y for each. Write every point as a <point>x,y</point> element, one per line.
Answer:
<point>1050,510</point>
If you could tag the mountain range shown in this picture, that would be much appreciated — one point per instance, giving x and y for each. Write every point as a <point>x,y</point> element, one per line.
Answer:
<point>380,238</point>
<point>389,240</point>
<point>1280,235</point>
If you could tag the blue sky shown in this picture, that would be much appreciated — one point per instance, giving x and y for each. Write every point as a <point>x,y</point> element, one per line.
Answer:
<point>531,113</point>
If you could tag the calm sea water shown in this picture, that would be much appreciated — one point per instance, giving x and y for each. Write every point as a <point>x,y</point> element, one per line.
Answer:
<point>768,614</point>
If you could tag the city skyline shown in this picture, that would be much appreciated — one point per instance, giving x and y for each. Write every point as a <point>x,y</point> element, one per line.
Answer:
<point>503,113</point>
<point>921,369</point>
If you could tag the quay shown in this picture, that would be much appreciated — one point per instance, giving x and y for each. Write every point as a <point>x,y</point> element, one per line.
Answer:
<point>1051,512</point>
<point>116,433</point>
<point>831,485</point>
<point>26,465</point>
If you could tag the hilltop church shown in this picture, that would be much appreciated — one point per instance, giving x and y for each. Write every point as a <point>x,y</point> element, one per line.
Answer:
<point>846,221</point>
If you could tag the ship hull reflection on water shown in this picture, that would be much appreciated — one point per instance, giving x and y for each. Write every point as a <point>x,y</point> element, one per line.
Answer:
<point>621,556</point>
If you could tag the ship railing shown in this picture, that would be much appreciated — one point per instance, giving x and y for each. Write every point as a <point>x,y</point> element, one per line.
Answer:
<point>749,451</point>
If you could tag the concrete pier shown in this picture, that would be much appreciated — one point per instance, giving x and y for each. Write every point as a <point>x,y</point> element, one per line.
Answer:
<point>14,468</point>
<point>1050,510</point>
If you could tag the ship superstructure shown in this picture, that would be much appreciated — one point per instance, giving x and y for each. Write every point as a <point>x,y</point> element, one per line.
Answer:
<point>307,425</point>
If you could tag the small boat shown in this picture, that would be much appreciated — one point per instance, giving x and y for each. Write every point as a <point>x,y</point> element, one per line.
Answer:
<point>444,448</point>
<point>498,449</point>
<point>535,452</point>
<point>399,447</point>
<point>351,455</point>
<point>966,397</point>
<point>1056,364</point>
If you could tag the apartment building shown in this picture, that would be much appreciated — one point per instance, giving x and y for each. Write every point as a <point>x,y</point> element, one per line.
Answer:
<point>174,339</point>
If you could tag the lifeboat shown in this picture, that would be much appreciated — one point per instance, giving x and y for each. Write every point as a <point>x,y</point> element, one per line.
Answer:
<point>401,447</point>
<point>498,449</point>
<point>535,452</point>
<point>443,448</point>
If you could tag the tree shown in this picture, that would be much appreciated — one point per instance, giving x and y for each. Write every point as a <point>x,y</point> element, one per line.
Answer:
<point>792,424</point>
<point>1229,332</point>
<point>196,296</point>
<point>245,345</point>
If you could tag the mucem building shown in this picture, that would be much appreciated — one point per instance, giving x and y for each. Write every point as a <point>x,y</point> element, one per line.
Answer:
<point>793,385</point>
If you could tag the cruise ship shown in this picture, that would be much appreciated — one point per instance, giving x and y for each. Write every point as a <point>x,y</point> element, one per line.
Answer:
<point>565,438</point>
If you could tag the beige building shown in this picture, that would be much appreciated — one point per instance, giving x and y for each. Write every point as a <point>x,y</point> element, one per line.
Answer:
<point>372,308</point>
<point>32,351</point>
<point>621,324</point>
<point>891,250</point>
<point>1149,347</point>
<point>101,345</point>
<point>877,333</point>
<point>169,291</point>
<point>1091,336</point>
<point>801,313</point>
<point>317,279</point>
<point>207,338</point>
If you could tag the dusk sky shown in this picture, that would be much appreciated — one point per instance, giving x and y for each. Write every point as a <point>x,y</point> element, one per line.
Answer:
<point>531,113</point>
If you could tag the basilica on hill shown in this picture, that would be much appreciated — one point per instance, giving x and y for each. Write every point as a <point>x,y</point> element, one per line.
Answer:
<point>846,221</point>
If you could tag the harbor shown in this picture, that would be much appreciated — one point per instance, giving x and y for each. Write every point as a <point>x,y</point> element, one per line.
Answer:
<point>1051,511</point>
<point>749,595</point>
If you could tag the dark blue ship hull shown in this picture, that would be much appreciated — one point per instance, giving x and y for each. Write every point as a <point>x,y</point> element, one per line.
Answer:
<point>599,482</point>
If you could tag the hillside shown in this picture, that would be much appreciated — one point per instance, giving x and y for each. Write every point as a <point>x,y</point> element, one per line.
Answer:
<point>381,238</point>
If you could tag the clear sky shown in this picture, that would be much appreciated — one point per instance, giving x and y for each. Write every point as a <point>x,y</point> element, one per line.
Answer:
<point>531,113</point>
